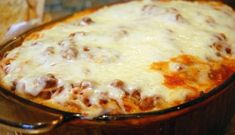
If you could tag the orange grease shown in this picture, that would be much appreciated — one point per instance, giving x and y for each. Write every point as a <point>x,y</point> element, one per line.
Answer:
<point>174,80</point>
<point>190,75</point>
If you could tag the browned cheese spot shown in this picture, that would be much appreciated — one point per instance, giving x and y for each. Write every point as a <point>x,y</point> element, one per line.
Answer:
<point>69,53</point>
<point>86,21</point>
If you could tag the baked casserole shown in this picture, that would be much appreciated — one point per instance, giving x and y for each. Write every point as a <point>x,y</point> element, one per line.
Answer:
<point>132,57</point>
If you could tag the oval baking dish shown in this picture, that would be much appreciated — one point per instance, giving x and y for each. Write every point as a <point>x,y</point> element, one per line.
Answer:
<point>206,113</point>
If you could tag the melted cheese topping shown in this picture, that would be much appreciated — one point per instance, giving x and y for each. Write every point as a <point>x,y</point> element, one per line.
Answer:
<point>108,61</point>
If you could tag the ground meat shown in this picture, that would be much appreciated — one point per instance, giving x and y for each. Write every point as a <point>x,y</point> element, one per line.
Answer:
<point>69,53</point>
<point>118,84</point>
<point>86,21</point>
<point>147,103</point>
<point>51,86</point>
<point>83,85</point>
<point>80,33</point>
<point>50,81</point>
<point>150,9</point>
<point>221,45</point>
<point>46,94</point>
<point>50,50</point>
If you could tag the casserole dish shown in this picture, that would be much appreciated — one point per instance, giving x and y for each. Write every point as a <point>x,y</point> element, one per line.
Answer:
<point>140,123</point>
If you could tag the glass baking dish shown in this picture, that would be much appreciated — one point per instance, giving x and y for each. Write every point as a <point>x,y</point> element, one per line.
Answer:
<point>208,114</point>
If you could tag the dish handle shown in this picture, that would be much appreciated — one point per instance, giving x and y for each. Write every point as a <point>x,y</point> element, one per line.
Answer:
<point>19,117</point>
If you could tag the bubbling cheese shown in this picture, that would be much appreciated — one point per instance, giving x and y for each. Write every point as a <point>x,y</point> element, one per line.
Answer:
<point>131,57</point>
